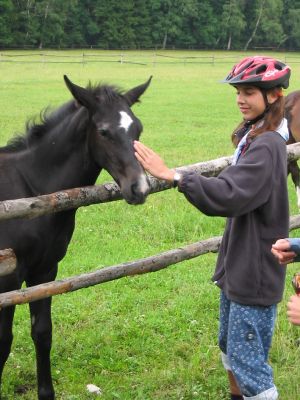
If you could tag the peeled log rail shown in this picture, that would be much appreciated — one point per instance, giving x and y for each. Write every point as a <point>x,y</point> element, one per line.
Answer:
<point>142,266</point>
<point>137,267</point>
<point>8,262</point>
<point>32,207</point>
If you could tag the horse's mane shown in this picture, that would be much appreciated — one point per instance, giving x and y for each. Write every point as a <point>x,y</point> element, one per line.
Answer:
<point>49,118</point>
<point>107,94</point>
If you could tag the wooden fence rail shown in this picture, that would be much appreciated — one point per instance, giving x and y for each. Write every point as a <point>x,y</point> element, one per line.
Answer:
<point>32,207</point>
<point>73,198</point>
<point>137,267</point>
<point>125,57</point>
<point>142,266</point>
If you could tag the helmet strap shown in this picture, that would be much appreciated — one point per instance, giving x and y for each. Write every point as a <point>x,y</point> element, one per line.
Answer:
<point>247,125</point>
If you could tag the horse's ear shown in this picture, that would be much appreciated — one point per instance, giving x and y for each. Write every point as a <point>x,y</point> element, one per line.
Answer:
<point>133,95</point>
<point>82,95</point>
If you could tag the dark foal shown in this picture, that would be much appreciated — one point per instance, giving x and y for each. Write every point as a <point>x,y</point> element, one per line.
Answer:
<point>67,149</point>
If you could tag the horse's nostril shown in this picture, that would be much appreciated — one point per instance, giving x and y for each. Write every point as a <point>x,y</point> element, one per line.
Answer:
<point>135,188</point>
<point>137,194</point>
<point>137,191</point>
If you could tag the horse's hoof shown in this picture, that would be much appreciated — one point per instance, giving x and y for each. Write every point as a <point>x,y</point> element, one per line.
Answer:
<point>46,395</point>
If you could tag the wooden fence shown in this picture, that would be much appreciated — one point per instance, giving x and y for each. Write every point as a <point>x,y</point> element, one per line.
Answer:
<point>130,57</point>
<point>73,198</point>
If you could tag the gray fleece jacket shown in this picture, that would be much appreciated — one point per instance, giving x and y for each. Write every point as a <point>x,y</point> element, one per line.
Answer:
<point>253,195</point>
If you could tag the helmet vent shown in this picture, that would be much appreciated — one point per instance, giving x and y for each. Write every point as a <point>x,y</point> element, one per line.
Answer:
<point>261,69</point>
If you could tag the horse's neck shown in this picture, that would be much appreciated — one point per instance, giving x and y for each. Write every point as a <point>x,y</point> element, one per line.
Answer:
<point>54,165</point>
<point>45,176</point>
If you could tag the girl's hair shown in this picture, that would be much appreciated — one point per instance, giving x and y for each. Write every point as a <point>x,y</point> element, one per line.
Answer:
<point>271,120</point>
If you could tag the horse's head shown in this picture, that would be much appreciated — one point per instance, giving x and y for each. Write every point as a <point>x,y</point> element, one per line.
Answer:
<point>113,128</point>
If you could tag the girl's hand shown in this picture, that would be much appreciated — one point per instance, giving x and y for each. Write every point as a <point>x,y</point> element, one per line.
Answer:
<point>293,312</point>
<point>281,250</point>
<point>152,162</point>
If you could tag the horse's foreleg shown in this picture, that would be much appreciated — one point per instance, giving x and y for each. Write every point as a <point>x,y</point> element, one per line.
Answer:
<point>6,336</point>
<point>7,283</point>
<point>41,332</point>
<point>295,174</point>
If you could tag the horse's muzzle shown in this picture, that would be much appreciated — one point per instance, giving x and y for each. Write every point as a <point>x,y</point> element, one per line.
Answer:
<point>137,192</point>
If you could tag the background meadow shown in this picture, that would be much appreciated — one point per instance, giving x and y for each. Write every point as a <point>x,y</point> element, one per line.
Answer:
<point>149,337</point>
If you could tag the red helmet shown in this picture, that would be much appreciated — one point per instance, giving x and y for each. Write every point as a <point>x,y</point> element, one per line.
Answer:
<point>262,72</point>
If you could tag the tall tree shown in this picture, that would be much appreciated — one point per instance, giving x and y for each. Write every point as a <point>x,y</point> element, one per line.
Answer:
<point>6,23</point>
<point>50,16</point>
<point>267,30</point>
<point>199,25</point>
<point>115,18</point>
<point>166,21</point>
<point>258,11</point>
<point>291,23</point>
<point>26,26</point>
<point>233,23</point>
<point>75,24</point>
<point>141,20</point>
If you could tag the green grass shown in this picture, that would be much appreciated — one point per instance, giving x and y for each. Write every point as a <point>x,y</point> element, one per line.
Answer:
<point>150,337</point>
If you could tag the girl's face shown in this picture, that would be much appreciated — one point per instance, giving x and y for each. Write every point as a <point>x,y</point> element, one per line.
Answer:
<point>250,101</point>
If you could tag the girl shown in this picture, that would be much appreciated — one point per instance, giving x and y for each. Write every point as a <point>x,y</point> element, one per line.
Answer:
<point>252,194</point>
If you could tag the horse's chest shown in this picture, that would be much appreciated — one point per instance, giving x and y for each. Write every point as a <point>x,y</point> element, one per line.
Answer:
<point>41,240</point>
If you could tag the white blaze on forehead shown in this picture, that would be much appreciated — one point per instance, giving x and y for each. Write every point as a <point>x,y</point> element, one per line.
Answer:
<point>125,120</point>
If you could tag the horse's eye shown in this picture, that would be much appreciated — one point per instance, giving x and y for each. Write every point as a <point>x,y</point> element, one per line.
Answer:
<point>102,132</point>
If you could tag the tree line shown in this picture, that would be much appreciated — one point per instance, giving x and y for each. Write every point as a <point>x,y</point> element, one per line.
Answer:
<point>111,24</point>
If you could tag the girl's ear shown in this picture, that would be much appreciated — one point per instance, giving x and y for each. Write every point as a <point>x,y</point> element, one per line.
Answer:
<point>273,95</point>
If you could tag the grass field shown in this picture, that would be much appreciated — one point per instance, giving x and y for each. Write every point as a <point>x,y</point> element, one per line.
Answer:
<point>151,337</point>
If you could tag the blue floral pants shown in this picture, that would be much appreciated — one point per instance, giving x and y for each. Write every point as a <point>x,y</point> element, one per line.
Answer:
<point>245,337</point>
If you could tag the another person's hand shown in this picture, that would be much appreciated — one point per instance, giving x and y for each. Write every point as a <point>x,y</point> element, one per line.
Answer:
<point>282,251</point>
<point>152,162</point>
<point>294,310</point>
